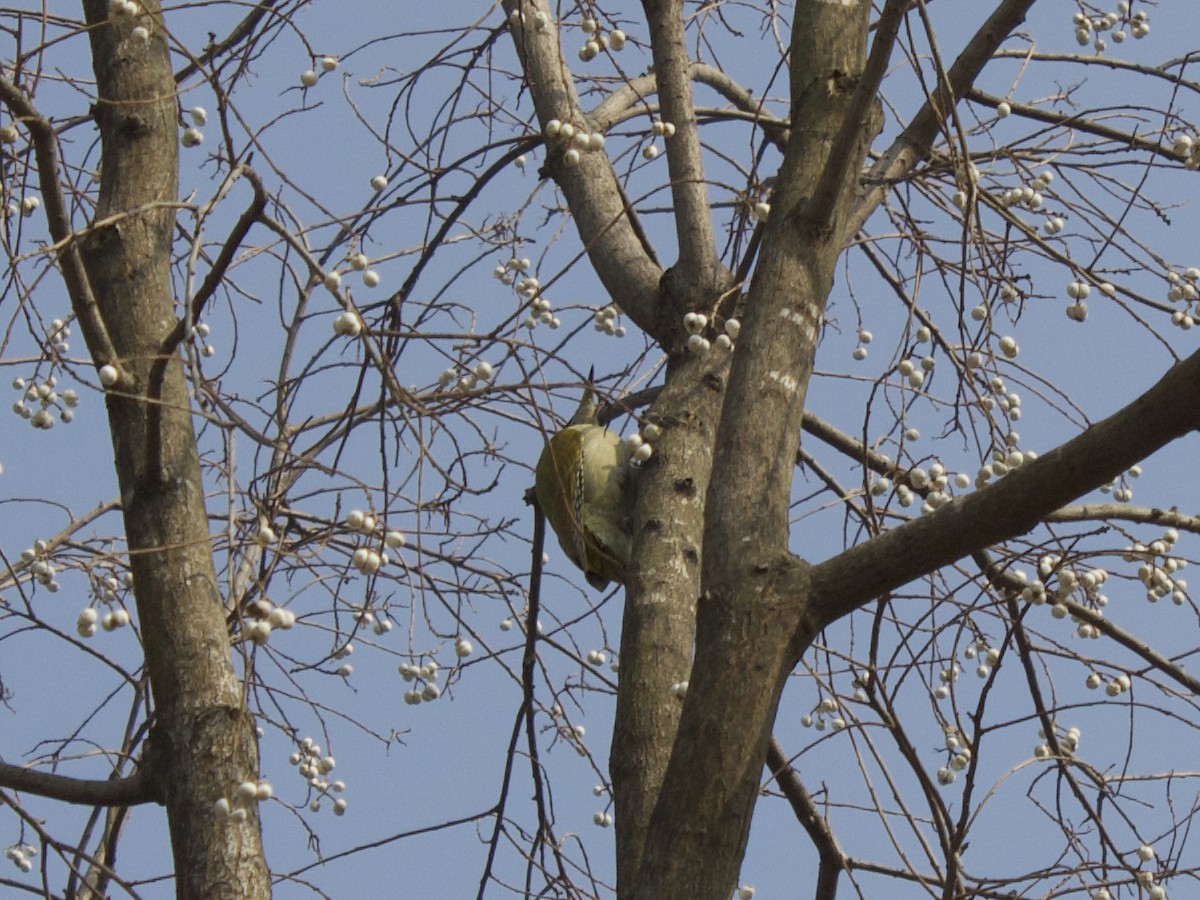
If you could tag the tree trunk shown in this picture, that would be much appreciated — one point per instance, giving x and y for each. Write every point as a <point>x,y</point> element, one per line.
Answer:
<point>754,606</point>
<point>203,743</point>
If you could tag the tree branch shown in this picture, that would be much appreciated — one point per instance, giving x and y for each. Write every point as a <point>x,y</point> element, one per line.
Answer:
<point>135,789</point>
<point>914,142</point>
<point>832,859</point>
<point>629,275</point>
<point>58,221</point>
<point>620,104</point>
<point>1014,505</point>
<point>685,162</point>
<point>829,188</point>
<point>1078,123</point>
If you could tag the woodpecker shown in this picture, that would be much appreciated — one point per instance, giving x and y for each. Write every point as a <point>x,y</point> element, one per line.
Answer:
<point>584,487</point>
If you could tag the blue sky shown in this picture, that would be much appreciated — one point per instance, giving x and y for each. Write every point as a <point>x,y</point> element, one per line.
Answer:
<point>447,760</point>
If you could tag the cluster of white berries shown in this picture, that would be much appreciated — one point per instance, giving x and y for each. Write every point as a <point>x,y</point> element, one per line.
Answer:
<point>641,443</point>
<point>267,617</point>
<point>576,140</point>
<point>508,273</point>
<point>1028,195</point>
<point>597,657</point>
<point>192,136</point>
<point>679,689</point>
<point>916,376</point>
<point>697,343</point>
<point>827,707</point>
<point>472,381</point>
<point>987,655</point>
<point>1159,579</point>
<point>762,210</point>
<point>9,134</point>
<point>659,128</point>
<point>365,616</point>
<point>21,856</point>
<point>1079,291</point>
<point>597,42</point>
<point>744,892</point>
<point>310,77</point>
<point>244,796</point>
<point>1009,402</point>
<point>427,674</point>
<point>1004,460</point>
<point>1184,288</point>
<point>506,624</point>
<point>365,559</point>
<point>345,670</point>
<point>42,569</point>
<point>348,323</point>
<point>1119,488</point>
<point>1091,29</point>
<point>947,676</point>
<point>572,734</point>
<point>1068,743</point>
<point>933,484</point>
<point>26,207</point>
<point>128,9</point>
<point>529,287</point>
<point>45,402</point>
<point>1067,582</point>
<point>118,9</point>
<point>864,337</point>
<point>314,769</point>
<point>1145,878</point>
<point>1117,686</point>
<point>106,589</point>
<point>202,331</point>
<point>359,262</point>
<point>606,322</point>
<point>602,819</point>
<point>1008,346</point>
<point>959,761</point>
<point>107,586</point>
<point>1188,148</point>
<point>85,625</point>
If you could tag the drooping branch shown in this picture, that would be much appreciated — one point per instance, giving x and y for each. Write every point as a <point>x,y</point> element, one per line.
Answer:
<point>1016,504</point>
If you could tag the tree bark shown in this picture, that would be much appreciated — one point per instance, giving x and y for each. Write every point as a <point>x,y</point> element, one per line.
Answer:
<point>750,618</point>
<point>203,743</point>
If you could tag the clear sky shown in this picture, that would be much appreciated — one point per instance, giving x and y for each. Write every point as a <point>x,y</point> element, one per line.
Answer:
<point>411,768</point>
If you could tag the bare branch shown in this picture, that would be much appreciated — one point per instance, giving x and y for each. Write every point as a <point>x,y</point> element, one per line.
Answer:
<point>1016,504</point>
<point>135,789</point>
<point>915,141</point>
